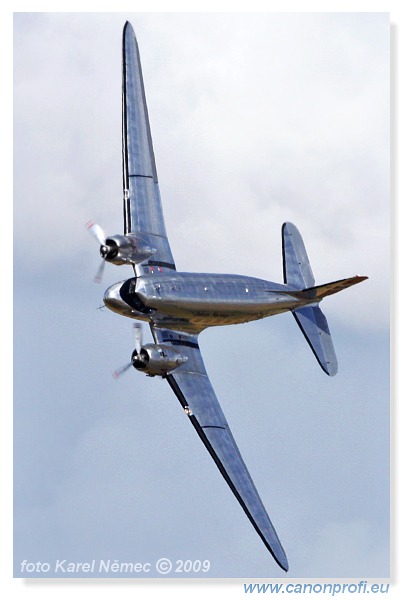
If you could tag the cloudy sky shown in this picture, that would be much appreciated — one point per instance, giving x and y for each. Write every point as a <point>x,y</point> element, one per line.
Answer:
<point>256,119</point>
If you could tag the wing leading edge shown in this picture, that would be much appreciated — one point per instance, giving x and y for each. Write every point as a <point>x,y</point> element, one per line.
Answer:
<point>143,214</point>
<point>194,391</point>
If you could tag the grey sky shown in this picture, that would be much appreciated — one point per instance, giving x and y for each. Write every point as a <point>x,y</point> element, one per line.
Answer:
<point>256,119</point>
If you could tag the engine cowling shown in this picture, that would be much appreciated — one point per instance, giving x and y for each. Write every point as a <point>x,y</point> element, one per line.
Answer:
<point>157,359</point>
<point>122,249</point>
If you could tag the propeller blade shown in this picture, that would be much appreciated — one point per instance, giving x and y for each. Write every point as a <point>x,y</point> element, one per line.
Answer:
<point>99,274</point>
<point>138,337</point>
<point>138,342</point>
<point>119,372</point>
<point>97,232</point>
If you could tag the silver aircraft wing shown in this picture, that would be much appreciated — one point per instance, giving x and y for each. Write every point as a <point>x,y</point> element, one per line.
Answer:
<point>194,391</point>
<point>143,214</point>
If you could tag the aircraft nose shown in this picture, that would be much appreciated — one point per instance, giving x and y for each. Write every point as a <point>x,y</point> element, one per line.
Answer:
<point>113,299</point>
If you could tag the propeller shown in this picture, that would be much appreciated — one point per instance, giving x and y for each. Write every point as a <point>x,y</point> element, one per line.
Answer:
<point>100,273</point>
<point>138,343</point>
<point>139,356</point>
<point>119,372</point>
<point>98,233</point>
<point>138,337</point>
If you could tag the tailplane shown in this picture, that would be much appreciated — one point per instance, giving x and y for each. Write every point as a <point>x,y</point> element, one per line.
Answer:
<point>311,320</point>
<point>318,292</point>
<point>313,325</point>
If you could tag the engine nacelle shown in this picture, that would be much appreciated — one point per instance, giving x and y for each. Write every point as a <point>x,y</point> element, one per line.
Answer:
<point>122,249</point>
<point>157,359</point>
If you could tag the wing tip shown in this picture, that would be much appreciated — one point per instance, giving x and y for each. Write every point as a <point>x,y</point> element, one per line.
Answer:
<point>330,368</point>
<point>284,565</point>
<point>128,28</point>
<point>277,553</point>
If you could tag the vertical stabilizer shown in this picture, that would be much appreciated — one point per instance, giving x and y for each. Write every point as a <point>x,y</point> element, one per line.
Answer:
<point>297,270</point>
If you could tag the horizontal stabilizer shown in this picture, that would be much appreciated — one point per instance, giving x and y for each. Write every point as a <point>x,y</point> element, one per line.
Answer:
<point>313,325</point>
<point>335,286</point>
<point>318,292</point>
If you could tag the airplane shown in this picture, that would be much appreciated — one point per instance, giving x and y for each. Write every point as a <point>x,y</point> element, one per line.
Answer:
<point>179,306</point>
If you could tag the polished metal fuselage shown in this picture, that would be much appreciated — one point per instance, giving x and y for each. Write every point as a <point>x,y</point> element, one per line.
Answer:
<point>194,301</point>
